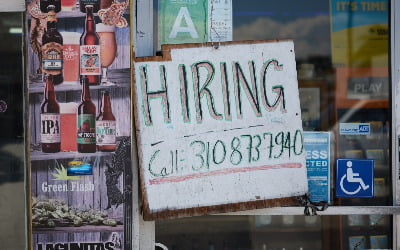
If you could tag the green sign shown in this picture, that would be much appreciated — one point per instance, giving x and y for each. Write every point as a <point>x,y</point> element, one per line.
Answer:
<point>194,21</point>
<point>183,21</point>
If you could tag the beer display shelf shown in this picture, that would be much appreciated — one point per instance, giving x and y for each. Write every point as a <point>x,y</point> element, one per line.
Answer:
<point>37,155</point>
<point>77,13</point>
<point>118,228</point>
<point>121,78</point>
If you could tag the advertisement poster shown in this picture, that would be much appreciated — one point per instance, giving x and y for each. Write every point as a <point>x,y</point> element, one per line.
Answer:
<point>194,21</point>
<point>360,33</point>
<point>78,69</point>
<point>317,146</point>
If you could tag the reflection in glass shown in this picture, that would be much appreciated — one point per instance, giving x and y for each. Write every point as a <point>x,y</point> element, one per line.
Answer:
<point>12,192</point>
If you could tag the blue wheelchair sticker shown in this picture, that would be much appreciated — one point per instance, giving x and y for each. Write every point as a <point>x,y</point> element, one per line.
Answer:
<point>355,178</point>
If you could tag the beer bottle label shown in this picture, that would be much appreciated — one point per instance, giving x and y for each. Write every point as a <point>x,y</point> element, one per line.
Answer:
<point>51,16</point>
<point>52,58</point>
<point>105,132</point>
<point>86,129</point>
<point>50,128</point>
<point>90,60</point>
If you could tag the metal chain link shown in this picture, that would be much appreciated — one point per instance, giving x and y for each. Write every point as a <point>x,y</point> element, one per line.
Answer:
<point>311,208</point>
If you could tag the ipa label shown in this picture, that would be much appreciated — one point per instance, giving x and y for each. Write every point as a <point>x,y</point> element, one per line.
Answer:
<point>50,128</point>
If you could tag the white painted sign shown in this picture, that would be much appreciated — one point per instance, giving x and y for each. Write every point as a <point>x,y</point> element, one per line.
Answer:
<point>219,126</point>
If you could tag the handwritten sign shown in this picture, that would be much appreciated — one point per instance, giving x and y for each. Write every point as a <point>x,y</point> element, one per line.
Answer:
<point>219,128</point>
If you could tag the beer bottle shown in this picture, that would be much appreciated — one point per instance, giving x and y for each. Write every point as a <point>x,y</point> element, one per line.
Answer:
<point>50,135</point>
<point>105,126</point>
<point>90,50</point>
<point>94,3</point>
<point>45,3</point>
<point>86,119</point>
<point>52,48</point>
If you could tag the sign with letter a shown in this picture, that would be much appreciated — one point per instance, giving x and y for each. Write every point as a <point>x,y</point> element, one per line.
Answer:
<point>194,21</point>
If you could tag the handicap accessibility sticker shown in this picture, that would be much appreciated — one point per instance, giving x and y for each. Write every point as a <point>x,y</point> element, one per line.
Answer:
<point>355,178</point>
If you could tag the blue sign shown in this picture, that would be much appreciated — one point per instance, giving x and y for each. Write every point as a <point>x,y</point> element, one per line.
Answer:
<point>355,178</point>
<point>317,146</point>
<point>354,128</point>
<point>79,168</point>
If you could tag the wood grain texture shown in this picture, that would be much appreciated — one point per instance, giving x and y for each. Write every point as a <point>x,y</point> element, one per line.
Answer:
<point>43,174</point>
<point>208,210</point>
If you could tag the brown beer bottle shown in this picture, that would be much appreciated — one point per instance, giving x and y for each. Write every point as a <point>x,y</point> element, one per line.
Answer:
<point>94,3</point>
<point>86,120</point>
<point>50,135</point>
<point>90,50</point>
<point>52,48</point>
<point>105,125</point>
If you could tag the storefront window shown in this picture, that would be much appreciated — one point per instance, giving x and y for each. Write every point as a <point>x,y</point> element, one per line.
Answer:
<point>342,63</point>
<point>343,72</point>
<point>277,232</point>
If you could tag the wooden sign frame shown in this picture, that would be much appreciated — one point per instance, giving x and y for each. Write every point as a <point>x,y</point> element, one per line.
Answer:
<point>203,209</point>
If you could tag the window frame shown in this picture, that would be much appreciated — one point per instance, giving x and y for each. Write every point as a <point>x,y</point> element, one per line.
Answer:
<point>144,46</point>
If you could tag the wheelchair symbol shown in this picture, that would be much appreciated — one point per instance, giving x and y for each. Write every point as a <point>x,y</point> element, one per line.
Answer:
<point>352,177</point>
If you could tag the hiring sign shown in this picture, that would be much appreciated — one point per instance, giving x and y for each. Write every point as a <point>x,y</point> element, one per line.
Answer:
<point>219,128</point>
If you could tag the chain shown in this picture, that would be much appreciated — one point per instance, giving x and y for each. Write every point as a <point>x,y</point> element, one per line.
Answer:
<point>311,208</point>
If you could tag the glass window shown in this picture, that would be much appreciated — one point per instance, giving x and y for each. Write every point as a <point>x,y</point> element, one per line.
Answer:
<point>342,64</point>
<point>262,232</point>
<point>12,188</point>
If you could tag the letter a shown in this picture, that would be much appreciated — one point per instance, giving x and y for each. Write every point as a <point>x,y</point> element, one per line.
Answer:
<point>183,13</point>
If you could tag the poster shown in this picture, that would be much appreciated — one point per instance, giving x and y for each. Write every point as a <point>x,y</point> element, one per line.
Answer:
<point>79,199</point>
<point>194,21</point>
<point>360,33</point>
<point>219,128</point>
<point>317,146</point>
